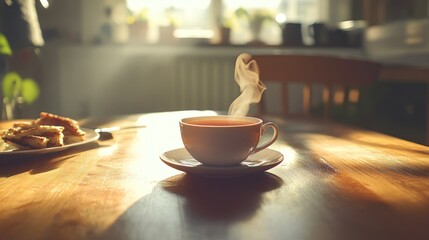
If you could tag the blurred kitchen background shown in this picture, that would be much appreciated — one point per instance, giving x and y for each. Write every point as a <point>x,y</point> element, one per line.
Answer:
<point>109,57</point>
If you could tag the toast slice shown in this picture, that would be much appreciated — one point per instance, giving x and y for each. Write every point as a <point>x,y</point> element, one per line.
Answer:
<point>29,136</point>
<point>27,142</point>
<point>72,132</point>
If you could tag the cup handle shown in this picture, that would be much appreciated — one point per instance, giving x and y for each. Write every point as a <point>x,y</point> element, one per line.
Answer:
<point>273,138</point>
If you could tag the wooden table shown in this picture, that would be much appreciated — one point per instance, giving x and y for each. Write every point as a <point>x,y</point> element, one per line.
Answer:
<point>335,182</point>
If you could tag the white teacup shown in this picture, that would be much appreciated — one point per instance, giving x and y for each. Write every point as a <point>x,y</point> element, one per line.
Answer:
<point>224,140</point>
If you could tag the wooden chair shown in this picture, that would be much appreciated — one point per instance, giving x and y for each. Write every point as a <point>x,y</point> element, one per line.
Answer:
<point>308,69</point>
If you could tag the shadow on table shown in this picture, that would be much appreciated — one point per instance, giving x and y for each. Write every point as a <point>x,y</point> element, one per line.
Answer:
<point>222,198</point>
<point>10,166</point>
<point>194,206</point>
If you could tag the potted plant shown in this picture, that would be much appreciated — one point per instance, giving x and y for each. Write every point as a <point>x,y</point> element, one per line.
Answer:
<point>255,19</point>
<point>223,29</point>
<point>15,90</point>
<point>5,51</point>
<point>166,31</point>
<point>138,25</point>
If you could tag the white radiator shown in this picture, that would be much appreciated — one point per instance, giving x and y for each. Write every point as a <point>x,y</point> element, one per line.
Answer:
<point>204,83</point>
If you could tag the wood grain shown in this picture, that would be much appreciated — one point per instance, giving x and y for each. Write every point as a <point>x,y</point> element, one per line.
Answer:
<point>336,182</point>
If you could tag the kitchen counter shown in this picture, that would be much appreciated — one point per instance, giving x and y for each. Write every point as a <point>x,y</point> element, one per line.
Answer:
<point>404,42</point>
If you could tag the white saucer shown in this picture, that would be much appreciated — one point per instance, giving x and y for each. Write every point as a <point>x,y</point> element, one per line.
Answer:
<point>181,160</point>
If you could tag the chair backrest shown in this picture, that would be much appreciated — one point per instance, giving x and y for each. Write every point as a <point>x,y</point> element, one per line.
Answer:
<point>308,69</point>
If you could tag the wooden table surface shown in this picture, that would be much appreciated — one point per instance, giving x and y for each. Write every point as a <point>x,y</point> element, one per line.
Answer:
<point>335,182</point>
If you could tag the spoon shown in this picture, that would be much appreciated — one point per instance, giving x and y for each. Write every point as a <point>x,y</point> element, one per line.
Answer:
<point>106,133</point>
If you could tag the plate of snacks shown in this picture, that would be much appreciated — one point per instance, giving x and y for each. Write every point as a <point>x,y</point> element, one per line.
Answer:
<point>49,133</point>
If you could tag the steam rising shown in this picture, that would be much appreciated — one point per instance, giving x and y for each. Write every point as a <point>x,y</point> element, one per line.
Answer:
<point>251,88</point>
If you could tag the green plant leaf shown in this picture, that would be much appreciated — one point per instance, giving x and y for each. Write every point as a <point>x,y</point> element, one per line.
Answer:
<point>30,90</point>
<point>241,12</point>
<point>4,45</point>
<point>12,84</point>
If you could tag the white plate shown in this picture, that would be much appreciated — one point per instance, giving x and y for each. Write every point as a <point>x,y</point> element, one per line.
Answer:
<point>181,160</point>
<point>8,152</point>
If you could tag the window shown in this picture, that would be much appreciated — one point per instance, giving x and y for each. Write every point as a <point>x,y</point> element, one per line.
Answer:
<point>206,14</point>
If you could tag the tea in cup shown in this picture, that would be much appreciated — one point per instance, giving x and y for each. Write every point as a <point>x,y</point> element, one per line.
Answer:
<point>224,140</point>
